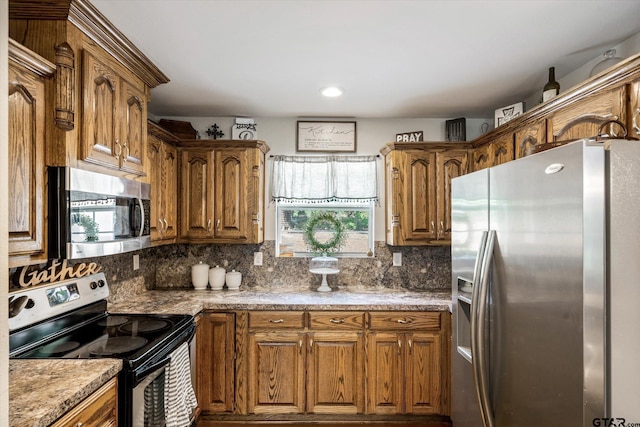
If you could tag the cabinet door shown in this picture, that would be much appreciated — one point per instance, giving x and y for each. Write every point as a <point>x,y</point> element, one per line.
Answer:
<point>482,157</point>
<point>26,204</point>
<point>529,137</point>
<point>502,150</point>
<point>276,372</point>
<point>583,118</point>
<point>216,348</point>
<point>134,128</point>
<point>384,373</point>
<point>196,203</point>
<point>450,164</point>
<point>633,124</point>
<point>232,190</point>
<point>418,215</point>
<point>423,373</point>
<point>100,143</point>
<point>154,154</point>
<point>335,367</point>
<point>99,409</point>
<point>169,185</point>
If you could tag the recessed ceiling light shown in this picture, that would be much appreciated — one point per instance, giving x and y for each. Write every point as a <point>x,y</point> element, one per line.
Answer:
<point>332,91</point>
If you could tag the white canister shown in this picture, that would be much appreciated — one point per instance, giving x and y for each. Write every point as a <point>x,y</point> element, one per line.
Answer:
<point>200,276</point>
<point>217,277</point>
<point>234,278</point>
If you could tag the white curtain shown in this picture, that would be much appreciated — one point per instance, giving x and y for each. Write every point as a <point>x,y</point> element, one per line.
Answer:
<point>318,179</point>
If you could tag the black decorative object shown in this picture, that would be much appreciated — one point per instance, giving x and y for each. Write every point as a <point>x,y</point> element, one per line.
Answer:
<point>214,131</point>
<point>456,129</point>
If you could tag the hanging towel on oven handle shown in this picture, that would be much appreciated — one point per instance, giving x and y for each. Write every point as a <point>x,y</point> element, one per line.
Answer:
<point>179,397</point>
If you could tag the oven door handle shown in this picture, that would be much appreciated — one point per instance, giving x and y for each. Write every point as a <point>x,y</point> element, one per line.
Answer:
<point>142,374</point>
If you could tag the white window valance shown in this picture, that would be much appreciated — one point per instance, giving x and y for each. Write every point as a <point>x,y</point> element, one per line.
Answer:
<point>319,179</point>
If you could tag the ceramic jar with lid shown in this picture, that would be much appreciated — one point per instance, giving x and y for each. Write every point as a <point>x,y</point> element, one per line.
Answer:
<point>234,279</point>
<point>200,276</point>
<point>217,277</point>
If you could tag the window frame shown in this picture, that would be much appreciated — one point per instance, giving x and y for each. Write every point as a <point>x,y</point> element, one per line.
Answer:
<point>327,206</point>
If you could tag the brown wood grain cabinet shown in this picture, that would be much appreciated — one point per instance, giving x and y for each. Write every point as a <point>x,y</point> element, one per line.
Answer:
<point>418,193</point>
<point>408,363</point>
<point>99,409</point>
<point>29,82</point>
<point>529,136</point>
<point>583,118</point>
<point>222,191</point>
<point>101,89</point>
<point>216,362</point>
<point>163,177</point>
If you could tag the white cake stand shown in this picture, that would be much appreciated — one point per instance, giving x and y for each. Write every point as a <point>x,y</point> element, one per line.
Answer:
<point>324,286</point>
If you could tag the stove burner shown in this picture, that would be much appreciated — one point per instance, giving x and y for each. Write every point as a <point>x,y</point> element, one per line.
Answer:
<point>113,321</point>
<point>116,345</point>
<point>58,349</point>
<point>145,325</point>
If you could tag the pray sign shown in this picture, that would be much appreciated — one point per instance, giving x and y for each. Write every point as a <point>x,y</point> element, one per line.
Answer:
<point>410,136</point>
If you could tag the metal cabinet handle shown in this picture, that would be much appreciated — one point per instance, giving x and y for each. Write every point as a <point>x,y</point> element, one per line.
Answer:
<point>276,321</point>
<point>399,346</point>
<point>338,321</point>
<point>161,226</point>
<point>433,226</point>
<point>218,224</point>
<point>208,225</point>
<point>166,225</point>
<point>634,122</point>
<point>300,347</point>
<point>410,343</point>
<point>311,346</point>
<point>404,321</point>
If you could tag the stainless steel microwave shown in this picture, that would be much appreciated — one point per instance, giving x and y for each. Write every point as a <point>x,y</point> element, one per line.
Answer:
<point>93,214</point>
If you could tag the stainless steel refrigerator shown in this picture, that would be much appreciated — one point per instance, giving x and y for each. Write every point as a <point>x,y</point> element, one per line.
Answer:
<point>546,289</point>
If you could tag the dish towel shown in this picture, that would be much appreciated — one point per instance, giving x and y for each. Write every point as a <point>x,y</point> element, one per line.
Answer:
<point>179,398</point>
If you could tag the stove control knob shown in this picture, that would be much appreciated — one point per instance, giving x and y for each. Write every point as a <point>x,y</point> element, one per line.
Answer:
<point>101,283</point>
<point>93,285</point>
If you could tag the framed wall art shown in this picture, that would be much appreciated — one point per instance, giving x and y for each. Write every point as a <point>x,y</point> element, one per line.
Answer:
<point>326,136</point>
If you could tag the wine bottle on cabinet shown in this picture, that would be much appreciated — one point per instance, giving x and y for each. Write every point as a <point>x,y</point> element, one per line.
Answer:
<point>552,88</point>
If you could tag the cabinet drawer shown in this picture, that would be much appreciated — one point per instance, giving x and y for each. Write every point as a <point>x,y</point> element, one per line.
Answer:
<point>99,409</point>
<point>276,319</point>
<point>336,320</point>
<point>398,320</point>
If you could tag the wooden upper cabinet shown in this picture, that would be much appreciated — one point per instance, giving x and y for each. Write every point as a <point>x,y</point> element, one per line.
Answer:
<point>163,178</point>
<point>114,117</point>
<point>530,136</point>
<point>418,192</point>
<point>196,194</point>
<point>450,164</point>
<point>29,81</point>
<point>482,157</point>
<point>230,178</point>
<point>498,151</point>
<point>583,118</point>
<point>634,110</point>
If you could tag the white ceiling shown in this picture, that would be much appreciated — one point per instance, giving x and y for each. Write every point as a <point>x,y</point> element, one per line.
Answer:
<point>403,58</point>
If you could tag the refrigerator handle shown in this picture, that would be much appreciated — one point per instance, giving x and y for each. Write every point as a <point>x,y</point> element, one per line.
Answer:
<point>481,330</point>
<point>475,298</point>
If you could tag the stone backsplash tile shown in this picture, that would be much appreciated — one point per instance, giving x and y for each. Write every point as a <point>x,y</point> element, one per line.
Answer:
<point>169,267</point>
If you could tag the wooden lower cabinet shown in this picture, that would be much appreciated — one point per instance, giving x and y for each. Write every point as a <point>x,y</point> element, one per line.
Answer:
<point>326,363</point>
<point>215,362</point>
<point>99,410</point>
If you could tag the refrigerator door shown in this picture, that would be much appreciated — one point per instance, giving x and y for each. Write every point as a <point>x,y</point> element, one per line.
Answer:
<point>470,220</point>
<point>536,291</point>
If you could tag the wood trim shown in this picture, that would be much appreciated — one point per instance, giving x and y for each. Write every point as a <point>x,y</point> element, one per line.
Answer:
<point>430,145</point>
<point>224,143</point>
<point>161,133</point>
<point>30,60</point>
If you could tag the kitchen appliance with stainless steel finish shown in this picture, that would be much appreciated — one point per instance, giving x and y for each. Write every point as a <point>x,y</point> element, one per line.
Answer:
<point>69,319</point>
<point>93,214</point>
<point>544,279</point>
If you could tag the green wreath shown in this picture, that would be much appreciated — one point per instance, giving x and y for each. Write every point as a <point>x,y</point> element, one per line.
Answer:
<point>332,245</point>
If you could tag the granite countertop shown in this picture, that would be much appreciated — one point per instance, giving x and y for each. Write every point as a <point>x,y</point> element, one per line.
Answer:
<point>364,298</point>
<point>42,390</point>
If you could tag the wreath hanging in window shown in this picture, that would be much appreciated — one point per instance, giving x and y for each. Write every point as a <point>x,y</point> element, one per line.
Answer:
<point>324,221</point>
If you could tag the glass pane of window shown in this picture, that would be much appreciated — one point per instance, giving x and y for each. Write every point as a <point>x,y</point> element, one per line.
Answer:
<point>357,220</point>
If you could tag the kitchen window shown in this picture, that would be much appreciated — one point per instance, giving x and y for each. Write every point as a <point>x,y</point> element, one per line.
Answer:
<point>346,187</point>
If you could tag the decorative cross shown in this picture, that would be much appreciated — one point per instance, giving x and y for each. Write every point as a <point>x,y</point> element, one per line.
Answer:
<point>214,131</point>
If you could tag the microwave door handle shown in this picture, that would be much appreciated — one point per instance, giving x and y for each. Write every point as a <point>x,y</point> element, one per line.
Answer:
<point>141,206</point>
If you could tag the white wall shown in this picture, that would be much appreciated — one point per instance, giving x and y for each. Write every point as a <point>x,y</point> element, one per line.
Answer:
<point>372,135</point>
<point>4,195</point>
